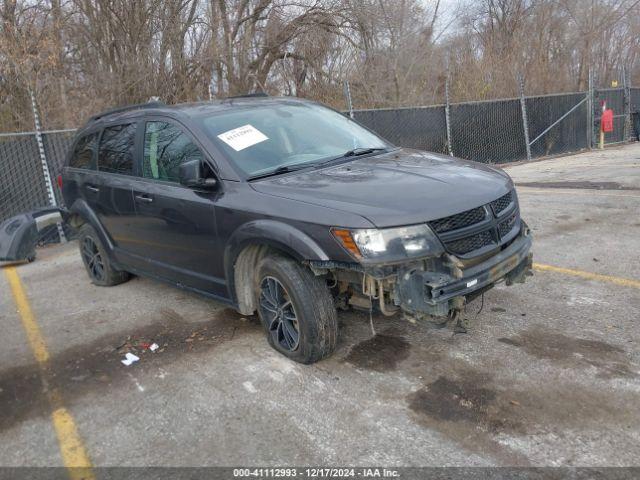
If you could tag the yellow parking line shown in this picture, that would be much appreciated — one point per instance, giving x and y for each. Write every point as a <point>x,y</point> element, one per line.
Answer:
<point>74,454</point>
<point>31,328</point>
<point>623,282</point>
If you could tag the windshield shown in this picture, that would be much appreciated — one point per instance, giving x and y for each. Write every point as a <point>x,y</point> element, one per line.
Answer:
<point>267,137</point>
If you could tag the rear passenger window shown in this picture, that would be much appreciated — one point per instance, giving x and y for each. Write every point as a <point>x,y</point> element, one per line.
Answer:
<point>84,153</point>
<point>166,146</point>
<point>116,149</point>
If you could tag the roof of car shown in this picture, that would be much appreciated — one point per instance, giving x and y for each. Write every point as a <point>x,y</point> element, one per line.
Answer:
<point>194,109</point>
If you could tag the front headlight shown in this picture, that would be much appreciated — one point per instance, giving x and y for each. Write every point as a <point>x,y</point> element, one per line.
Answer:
<point>389,244</point>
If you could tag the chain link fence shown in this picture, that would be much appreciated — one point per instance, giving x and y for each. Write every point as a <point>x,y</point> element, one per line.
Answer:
<point>22,186</point>
<point>558,124</point>
<point>634,106</point>
<point>495,131</point>
<point>487,132</point>
<point>614,98</point>
<point>501,131</point>
<point>423,128</point>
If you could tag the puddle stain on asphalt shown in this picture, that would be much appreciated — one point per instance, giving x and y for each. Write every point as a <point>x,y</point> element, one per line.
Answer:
<point>97,365</point>
<point>464,405</point>
<point>610,360</point>
<point>476,410</point>
<point>469,399</point>
<point>381,353</point>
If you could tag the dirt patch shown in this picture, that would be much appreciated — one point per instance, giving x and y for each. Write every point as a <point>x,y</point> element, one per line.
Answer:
<point>169,314</point>
<point>611,360</point>
<point>472,400</point>
<point>474,409</point>
<point>382,352</point>
<point>452,400</point>
<point>469,411</point>
<point>586,185</point>
<point>97,365</point>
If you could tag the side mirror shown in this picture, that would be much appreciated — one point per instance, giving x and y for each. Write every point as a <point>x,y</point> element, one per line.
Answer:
<point>191,175</point>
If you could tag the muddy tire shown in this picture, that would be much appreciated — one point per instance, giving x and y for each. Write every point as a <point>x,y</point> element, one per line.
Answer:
<point>296,310</point>
<point>96,261</point>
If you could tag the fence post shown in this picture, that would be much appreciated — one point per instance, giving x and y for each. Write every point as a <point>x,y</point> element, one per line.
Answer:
<point>347,95</point>
<point>627,105</point>
<point>447,115</point>
<point>590,112</point>
<point>45,166</point>
<point>210,88</point>
<point>525,122</point>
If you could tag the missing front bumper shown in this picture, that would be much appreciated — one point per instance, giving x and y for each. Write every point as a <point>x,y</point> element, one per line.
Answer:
<point>420,292</point>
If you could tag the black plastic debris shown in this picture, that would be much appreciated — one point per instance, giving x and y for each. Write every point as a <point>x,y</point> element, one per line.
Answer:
<point>19,234</point>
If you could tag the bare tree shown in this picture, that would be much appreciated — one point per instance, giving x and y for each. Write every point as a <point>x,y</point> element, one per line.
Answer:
<point>79,56</point>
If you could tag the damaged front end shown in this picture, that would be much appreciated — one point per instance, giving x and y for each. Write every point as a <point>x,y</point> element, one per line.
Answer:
<point>432,287</point>
<point>462,256</point>
<point>443,285</point>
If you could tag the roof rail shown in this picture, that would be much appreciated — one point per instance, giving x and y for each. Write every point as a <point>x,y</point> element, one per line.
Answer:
<point>249,95</point>
<point>137,106</point>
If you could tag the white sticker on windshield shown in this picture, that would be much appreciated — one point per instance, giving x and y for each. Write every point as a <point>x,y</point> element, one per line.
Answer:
<point>242,137</point>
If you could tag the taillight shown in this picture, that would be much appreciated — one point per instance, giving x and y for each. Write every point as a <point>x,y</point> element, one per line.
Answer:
<point>60,181</point>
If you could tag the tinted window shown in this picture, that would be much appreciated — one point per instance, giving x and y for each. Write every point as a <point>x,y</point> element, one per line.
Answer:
<point>83,155</point>
<point>166,146</point>
<point>116,149</point>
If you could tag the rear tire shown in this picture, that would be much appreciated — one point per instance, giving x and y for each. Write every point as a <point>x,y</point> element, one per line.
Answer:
<point>96,261</point>
<point>296,310</point>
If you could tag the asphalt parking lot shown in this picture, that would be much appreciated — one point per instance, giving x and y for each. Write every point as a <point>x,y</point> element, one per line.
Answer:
<point>549,373</point>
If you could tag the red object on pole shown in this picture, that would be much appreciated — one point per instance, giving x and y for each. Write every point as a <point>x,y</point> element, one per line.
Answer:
<point>606,124</point>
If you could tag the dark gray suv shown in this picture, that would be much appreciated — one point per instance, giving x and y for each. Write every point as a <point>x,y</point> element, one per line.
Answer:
<point>289,209</point>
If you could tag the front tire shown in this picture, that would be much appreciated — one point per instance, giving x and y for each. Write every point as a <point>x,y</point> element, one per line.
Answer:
<point>296,310</point>
<point>96,261</point>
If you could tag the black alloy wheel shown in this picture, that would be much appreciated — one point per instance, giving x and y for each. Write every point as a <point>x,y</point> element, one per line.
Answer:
<point>276,307</point>
<point>93,259</point>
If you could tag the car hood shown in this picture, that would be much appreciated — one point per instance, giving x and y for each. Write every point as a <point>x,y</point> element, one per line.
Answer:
<point>401,187</point>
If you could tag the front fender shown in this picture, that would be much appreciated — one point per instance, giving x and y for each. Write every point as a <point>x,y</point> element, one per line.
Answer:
<point>271,233</point>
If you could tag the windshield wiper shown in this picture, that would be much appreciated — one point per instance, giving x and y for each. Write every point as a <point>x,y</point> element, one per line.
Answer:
<point>278,171</point>
<point>356,152</point>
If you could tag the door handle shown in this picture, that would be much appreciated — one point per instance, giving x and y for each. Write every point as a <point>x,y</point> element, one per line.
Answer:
<point>92,188</point>
<point>144,198</point>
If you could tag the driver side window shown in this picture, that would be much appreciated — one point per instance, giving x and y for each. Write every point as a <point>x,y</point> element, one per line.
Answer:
<point>166,147</point>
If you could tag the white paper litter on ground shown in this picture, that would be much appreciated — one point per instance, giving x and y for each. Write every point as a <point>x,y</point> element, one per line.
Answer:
<point>154,347</point>
<point>242,137</point>
<point>129,358</point>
